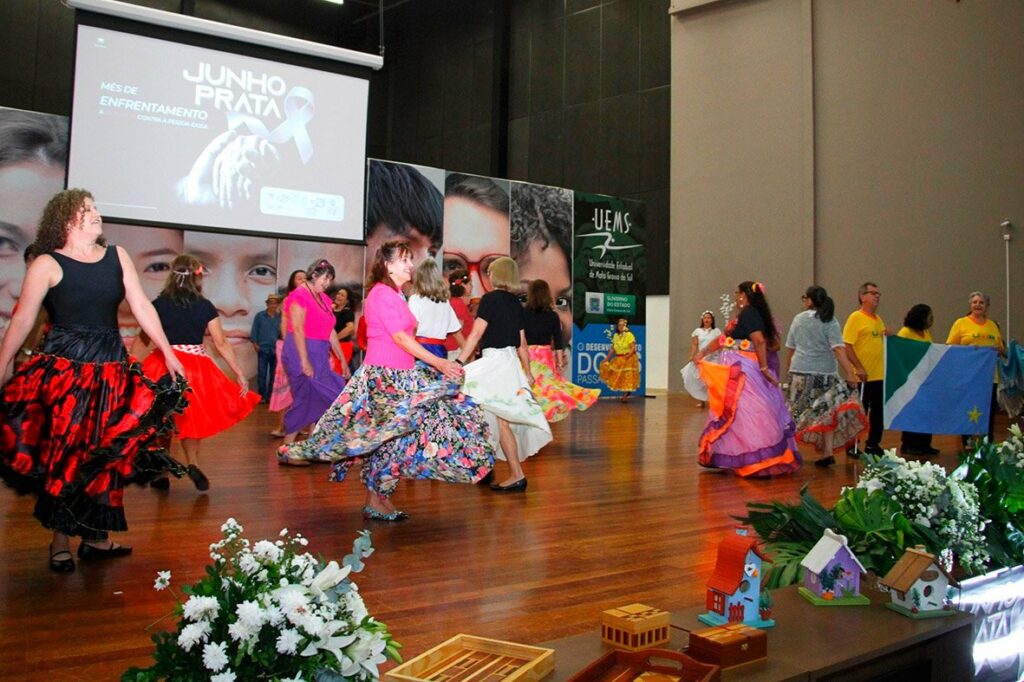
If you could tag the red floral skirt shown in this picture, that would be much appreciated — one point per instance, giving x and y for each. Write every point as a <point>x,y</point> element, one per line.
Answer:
<point>215,403</point>
<point>78,422</point>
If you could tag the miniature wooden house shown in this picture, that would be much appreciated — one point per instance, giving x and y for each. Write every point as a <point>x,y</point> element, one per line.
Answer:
<point>735,585</point>
<point>832,573</point>
<point>918,585</point>
<point>635,627</point>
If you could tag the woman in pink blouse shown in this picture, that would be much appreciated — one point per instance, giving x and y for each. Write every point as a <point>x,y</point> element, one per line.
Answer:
<point>308,343</point>
<point>407,419</point>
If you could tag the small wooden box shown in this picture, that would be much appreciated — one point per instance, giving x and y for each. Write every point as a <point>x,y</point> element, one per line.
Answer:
<point>465,657</point>
<point>728,645</point>
<point>648,665</point>
<point>634,627</point>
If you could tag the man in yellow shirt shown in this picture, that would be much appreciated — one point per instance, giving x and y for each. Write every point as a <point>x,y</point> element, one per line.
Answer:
<point>864,336</point>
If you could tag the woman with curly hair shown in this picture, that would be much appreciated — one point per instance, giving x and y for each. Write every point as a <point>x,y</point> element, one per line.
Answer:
<point>78,420</point>
<point>749,428</point>
<point>215,403</point>
<point>917,326</point>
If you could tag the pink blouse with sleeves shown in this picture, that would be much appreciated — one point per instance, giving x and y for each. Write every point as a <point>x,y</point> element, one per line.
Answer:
<point>319,316</point>
<point>386,313</point>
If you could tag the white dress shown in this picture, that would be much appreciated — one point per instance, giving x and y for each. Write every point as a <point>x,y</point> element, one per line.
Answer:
<point>691,375</point>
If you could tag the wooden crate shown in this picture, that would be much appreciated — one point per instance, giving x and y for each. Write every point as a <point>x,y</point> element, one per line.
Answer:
<point>728,645</point>
<point>634,627</point>
<point>648,665</point>
<point>465,658</point>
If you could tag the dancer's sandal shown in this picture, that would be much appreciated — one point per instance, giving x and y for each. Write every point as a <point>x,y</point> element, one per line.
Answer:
<point>374,515</point>
<point>59,564</point>
<point>284,458</point>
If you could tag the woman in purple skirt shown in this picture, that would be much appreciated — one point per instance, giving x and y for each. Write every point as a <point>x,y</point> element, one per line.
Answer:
<point>308,343</point>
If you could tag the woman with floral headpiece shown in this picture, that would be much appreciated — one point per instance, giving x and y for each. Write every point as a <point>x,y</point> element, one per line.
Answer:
<point>702,336</point>
<point>215,403</point>
<point>621,369</point>
<point>749,428</point>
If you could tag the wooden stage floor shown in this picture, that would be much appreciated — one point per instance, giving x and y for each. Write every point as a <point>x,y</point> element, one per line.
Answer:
<point>617,511</point>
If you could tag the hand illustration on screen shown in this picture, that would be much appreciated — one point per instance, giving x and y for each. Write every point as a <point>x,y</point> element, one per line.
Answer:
<point>228,169</point>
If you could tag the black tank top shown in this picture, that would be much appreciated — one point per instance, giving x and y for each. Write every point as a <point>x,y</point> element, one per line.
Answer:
<point>89,293</point>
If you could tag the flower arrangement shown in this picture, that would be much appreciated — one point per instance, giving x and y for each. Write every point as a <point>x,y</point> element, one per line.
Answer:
<point>931,499</point>
<point>895,505</point>
<point>269,611</point>
<point>997,472</point>
<point>728,306</point>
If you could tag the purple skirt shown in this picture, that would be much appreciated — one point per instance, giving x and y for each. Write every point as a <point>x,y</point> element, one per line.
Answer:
<point>311,396</point>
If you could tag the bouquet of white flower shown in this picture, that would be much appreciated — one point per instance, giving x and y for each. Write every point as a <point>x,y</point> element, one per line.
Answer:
<point>930,498</point>
<point>265,611</point>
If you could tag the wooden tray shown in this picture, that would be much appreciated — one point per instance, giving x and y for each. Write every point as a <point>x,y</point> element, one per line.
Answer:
<point>626,666</point>
<point>465,658</point>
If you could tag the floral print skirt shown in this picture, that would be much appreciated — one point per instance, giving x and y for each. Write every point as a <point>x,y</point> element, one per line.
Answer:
<point>403,423</point>
<point>822,403</point>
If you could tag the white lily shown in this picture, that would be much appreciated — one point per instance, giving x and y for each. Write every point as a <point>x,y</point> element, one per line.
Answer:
<point>328,578</point>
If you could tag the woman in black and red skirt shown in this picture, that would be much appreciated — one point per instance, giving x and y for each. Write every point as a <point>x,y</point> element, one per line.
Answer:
<point>78,420</point>
<point>214,402</point>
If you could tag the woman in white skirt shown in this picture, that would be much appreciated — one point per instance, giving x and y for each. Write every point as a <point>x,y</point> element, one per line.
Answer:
<point>500,380</point>
<point>701,337</point>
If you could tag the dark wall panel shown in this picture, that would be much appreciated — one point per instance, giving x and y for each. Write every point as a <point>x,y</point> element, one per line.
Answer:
<point>620,47</point>
<point>587,84</point>
<point>582,68</point>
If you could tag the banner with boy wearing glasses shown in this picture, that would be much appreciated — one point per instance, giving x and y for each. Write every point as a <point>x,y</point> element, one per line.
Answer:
<point>609,261</point>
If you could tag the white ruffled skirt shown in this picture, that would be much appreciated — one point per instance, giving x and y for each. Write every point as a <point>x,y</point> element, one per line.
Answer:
<point>498,384</point>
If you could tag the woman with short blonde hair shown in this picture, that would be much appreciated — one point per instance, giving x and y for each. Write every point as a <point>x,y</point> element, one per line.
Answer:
<point>497,380</point>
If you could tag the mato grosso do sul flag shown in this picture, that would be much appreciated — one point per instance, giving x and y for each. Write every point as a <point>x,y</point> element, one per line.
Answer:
<point>935,388</point>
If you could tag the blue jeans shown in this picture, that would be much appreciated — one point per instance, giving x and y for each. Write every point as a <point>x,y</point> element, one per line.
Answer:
<point>266,365</point>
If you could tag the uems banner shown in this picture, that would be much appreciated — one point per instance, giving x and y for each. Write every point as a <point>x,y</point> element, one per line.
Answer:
<point>609,283</point>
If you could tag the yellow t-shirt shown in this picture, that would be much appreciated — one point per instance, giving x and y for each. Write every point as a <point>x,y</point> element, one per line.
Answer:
<point>622,343</point>
<point>967,332</point>
<point>908,333</point>
<point>866,333</point>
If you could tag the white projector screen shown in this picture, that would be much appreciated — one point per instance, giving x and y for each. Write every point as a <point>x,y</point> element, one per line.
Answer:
<point>170,133</point>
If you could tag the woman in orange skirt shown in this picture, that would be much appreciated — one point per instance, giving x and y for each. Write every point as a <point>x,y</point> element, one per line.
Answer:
<point>214,401</point>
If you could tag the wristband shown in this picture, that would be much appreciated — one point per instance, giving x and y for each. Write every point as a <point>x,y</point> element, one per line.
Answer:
<point>459,362</point>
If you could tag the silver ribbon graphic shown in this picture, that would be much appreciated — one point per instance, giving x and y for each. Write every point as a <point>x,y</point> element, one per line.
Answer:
<point>299,108</point>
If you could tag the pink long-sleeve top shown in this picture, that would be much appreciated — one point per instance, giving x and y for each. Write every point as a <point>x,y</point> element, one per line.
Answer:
<point>386,312</point>
<point>319,315</point>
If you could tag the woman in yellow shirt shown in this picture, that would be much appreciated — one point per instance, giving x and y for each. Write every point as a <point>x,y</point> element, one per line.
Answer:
<point>917,326</point>
<point>621,369</point>
<point>976,329</point>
